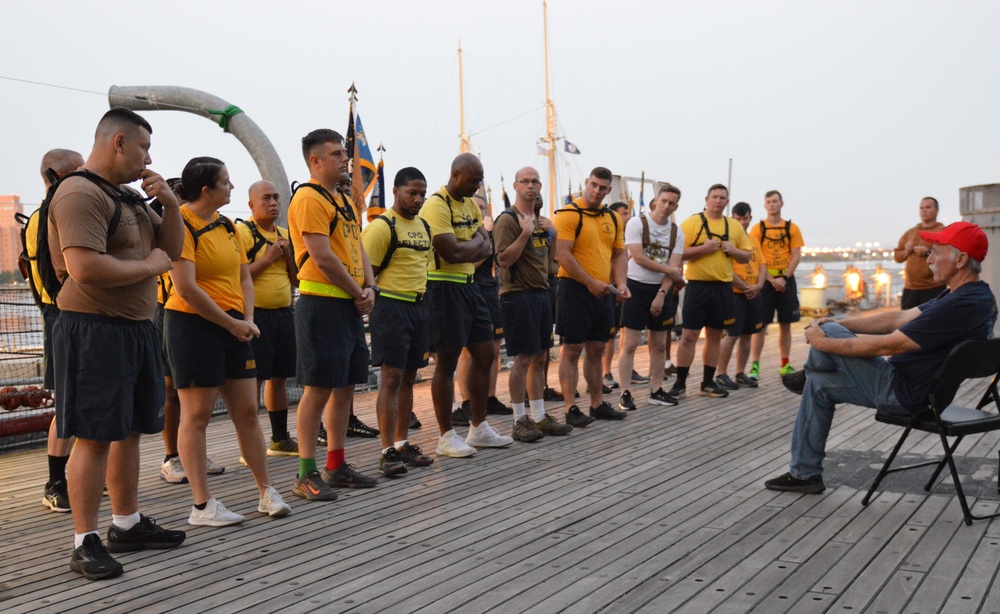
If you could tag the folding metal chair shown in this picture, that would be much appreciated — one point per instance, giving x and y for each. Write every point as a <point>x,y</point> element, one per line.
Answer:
<point>969,359</point>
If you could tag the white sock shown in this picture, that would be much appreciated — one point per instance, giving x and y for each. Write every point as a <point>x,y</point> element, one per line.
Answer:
<point>455,406</point>
<point>125,522</point>
<point>518,410</point>
<point>386,450</point>
<point>400,444</point>
<point>537,410</point>
<point>668,364</point>
<point>78,538</point>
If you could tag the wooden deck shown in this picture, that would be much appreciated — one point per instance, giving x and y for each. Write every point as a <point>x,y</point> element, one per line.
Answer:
<point>663,512</point>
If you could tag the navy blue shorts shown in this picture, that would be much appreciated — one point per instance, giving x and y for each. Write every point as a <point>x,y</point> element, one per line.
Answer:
<point>636,315</point>
<point>458,315</point>
<point>527,322</point>
<point>108,378</point>
<point>786,303</point>
<point>202,354</point>
<point>747,316</point>
<point>274,350</point>
<point>582,316</point>
<point>50,313</point>
<point>330,346</point>
<point>399,334</point>
<point>708,304</point>
<point>490,294</point>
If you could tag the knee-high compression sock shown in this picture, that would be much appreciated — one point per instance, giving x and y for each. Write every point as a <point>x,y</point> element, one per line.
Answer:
<point>279,424</point>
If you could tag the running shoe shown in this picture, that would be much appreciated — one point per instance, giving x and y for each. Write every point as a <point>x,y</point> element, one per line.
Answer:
<point>172,472</point>
<point>794,381</point>
<point>790,483</point>
<point>212,468</point>
<point>754,371</point>
<point>658,397</point>
<point>414,421</point>
<point>145,535</point>
<point>576,418</point>
<point>485,436</point>
<point>609,382</point>
<point>463,415</point>
<point>215,514</point>
<point>321,439</point>
<point>495,407</point>
<point>788,369</point>
<point>524,430</point>
<point>56,497</point>
<point>413,456</point>
<point>626,402</point>
<point>604,411</point>
<point>313,488</point>
<point>272,504</point>
<point>93,561</point>
<point>638,378</point>
<point>357,428</point>
<point>676,392</point>
<point>551,395</point>
<point>671,370</point>
<point>725,382</point>
<point>711,390</point>
<point>743,380</point>
<point>390,464</point>
<point>285,447</point>
<point>346,476</point>
<point>450,444</point>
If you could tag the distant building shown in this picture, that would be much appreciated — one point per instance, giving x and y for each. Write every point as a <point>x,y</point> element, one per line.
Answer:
<point>10,238</point>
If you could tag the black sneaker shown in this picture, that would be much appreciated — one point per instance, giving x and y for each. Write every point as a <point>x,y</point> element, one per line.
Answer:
<point>313,488</point>
<point>357,428</point>
<point>413,456</point>
<point>637,378</point>
<point>495,408</point>
<point>93,561</point>
<point>790,483</point>
<point>551,395</point>
<point>462,416</point>
<point>711,390</point>
<point>414,421</point>
<point>677,392</point>
<point>626,402</point>
<point>669,371</point>
<point>576,418</point>
<point>795,381</point>
<point>321,437</point>
<point>56,498</point>
<point>658,397</point>
<point>743,380</point>
<point>725,382</point>
<point>146,535</point>
<point>390,464</point>
<point>346,476</point>
<point>604,411</point>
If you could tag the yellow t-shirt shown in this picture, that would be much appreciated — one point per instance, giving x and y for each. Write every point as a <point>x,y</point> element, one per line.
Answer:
<point>716,266</point>
<point>31,246</point>
<point>602,232</point>
<point>217,261</point>
<point>776,245</point>
<point>271,289</point>
<point>311,212</point>
<point>749,272</point>
<point>407,271</point>
<point>447,215</point>
<point>164,288</point>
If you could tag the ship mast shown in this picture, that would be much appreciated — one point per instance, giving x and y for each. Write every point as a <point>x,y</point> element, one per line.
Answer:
<point>550,116</point>
<point>465,145</point>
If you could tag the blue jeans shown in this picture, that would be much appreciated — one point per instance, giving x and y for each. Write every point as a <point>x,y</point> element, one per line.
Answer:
<point>832,379</point>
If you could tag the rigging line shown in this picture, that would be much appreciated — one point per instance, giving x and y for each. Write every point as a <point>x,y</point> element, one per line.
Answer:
<point>440,105</point>
<point>507,121</point>
<point>579,99</point>
<point>509,62</point>
<point>102,94</point>
<point>501,76</point>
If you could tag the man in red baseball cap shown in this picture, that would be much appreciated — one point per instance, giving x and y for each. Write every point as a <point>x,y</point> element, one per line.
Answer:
<point>846,363</point>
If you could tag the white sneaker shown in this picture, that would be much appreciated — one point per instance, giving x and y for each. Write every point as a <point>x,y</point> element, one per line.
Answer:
<point>272,504</point>
<point>215,514</point>
<point>485,436</point>
<point>450,444</point>
<point>172,472</point>
<point>212,469</point>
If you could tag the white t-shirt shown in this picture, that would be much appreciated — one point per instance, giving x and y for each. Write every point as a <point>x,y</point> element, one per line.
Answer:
<point>659,241</point>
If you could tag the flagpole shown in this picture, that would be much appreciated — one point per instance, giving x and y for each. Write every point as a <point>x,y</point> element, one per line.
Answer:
<point>465,144</point>
<point>357,185</point>
<point>729,183</point>
<point>550,115</point>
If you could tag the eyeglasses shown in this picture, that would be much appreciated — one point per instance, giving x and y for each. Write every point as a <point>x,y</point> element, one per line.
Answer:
<point>529,182</point>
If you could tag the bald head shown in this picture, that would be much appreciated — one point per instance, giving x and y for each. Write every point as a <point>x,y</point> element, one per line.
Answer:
<point>61,161</point>
<point>526,188</point>
<point>466,175</point>
<point>265,203</point>
<point>527,170</point>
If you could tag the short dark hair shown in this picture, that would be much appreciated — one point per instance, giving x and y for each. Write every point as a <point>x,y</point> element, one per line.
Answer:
<point>741,209</point>
<point>318,137</point>
<point>121,119</point>
<point>406,175</point>
<point>936,205</point>
<point>601,173</point>
<point>717,186</point>
<point>669,187</point>
<point>198,173</point>
<point>771,193</point>
<point>618,206</point>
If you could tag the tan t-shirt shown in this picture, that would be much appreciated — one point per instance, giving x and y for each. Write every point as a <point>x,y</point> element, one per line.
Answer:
<point>531,270</point>
<point>79,216</point>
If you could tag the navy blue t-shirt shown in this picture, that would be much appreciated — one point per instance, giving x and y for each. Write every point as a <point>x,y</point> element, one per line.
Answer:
<point>968,313</point>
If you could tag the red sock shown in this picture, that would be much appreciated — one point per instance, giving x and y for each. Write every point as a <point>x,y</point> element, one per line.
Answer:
<point>334,459</point>
<point>784,361</point>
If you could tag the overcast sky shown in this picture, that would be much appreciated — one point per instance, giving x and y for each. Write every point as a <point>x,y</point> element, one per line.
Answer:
<point>853,109</point>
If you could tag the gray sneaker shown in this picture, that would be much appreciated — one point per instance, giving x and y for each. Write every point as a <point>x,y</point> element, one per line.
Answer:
<point>726,383</point>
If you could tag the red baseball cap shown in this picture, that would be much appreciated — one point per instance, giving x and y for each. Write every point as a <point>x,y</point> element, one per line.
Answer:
<point>964,236</point>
